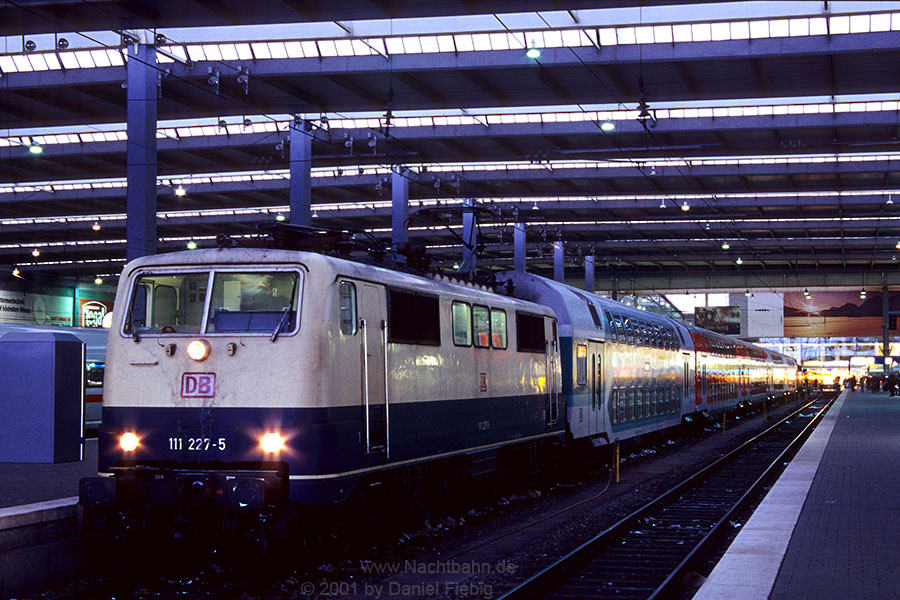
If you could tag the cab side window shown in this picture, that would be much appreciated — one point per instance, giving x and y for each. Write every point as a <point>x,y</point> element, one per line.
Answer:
<point>462,324</point>
<point>481,326</point>
<point>347,307</point>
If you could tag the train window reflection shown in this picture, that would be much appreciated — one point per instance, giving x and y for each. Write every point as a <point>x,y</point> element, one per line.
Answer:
<point>166,303</point>
<point>481,323</point>
<point>262,302</point>
<point>462,324</point>
<point>498,328</point>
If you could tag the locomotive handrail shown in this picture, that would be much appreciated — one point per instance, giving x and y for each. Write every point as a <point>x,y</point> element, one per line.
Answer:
<point>365,376</point>
<point>387,412</point>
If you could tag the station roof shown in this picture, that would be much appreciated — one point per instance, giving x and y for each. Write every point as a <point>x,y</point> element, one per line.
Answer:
<point>773,124</point>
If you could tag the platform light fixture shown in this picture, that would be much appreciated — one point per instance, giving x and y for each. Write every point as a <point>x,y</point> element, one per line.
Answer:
<point>533,51</point>
<point>862,293</point>
<point>725,245</point>
<point>96,226</point>
<point>806,292</point>
<point>98,280</point>
<point>180,192</point>
<point>280,217</point>
<point>739,261</point>
<point>16,272</point>
<point>608,126</point>
<point>192,245</point>
<point>747,293</point>
<point>35,148</point>
<point>685,206</point>
<point>35,253</point>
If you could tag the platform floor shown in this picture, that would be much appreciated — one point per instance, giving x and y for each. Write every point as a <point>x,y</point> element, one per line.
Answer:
<point>27,483</point>
<point>830,527</point>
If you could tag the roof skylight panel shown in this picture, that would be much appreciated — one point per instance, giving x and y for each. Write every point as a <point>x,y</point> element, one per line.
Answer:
<point>464,42</point>
<point>7,64</point>
<point>37,62</point>
<point>360,48</point>
<point>411,45</point>
<point>310,49</point>
<point>260,50</point>
<point>701,32</point>
<point>501,41</point>
<point>481,41</point>
<point>553,39</point>
<point>608,36</point>
<point>326,48</point>
<point>212,52</point>
<point>445,43</point>
<point>644,35</point>
<point>759,29</point>
<point>682,33</point>
<point>195,53</point>
<point>625,35</point>
<point>859,24</point>
<point>228,52</point>
<point>880,22</point>
<point>394,45</point>
<point>101,58</point>
<point>799,27</point>
<point>838,25</point>
<point>294,49</point>
<point>277,50</point>
<point>22,63</point>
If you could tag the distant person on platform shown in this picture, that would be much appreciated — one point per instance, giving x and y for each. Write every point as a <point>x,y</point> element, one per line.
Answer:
<point>892,382</point>
<point>851,382</point>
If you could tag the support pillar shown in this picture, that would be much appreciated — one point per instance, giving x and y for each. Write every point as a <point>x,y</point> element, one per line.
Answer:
<point>589,273</point>
<point>558,265</point>
<point>300,173</point>
<point>519,247</point>
<point>469,240</point>
<point>885,319</point>
<point>140,203</point>
<point>399,206</point>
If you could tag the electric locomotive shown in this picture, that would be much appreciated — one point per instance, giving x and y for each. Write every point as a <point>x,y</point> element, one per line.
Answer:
<point>250,377</point>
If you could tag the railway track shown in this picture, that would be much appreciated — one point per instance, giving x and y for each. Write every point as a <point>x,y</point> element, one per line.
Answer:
<point>646,554</point>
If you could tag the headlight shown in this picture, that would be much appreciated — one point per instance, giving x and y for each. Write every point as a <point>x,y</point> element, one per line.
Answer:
<point>128,442</point>
<point>271,443</point>
<point>198,350</point>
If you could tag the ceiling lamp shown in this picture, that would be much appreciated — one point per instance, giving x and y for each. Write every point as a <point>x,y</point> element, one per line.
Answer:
<point>662,203</point>
<point>192,245</point>
<point>806,292</point>
<point>35,148</point>
<point>608,126</point>
<point>725,245</point>
<point>280,217</point>
<point>35,253</point>
<point>685,206</point>
<point>739,261</point>
<point>862,293</point>
<point>96,226</point>
<point>180,192</point>
<point>98,280</point>
<point>533,51</point>
<point>16,272</point>
<point>747,293</point>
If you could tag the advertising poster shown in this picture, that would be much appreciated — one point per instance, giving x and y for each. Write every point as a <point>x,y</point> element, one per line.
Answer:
<point>720,319</point>
<point>34,309</point>
<point>835,314</point>
<point>91,312</point>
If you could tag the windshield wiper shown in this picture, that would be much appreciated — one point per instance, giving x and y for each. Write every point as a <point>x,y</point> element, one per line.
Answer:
<point>285,313</point>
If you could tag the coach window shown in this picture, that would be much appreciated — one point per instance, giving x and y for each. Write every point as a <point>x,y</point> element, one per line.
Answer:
<point>347,304</point>
<point>581,364</point>
<point>498,329</point>
<point>413,318</point>
<point>530,333</point>
<point>462,324</point>
<point>481,325</point>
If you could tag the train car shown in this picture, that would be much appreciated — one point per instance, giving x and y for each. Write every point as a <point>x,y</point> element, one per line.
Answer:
<point>627,372</point>
<point>94,339</point>
<point>249,377</point>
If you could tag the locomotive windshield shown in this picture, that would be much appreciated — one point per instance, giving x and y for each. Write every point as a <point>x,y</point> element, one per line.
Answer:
<point>213,302</point>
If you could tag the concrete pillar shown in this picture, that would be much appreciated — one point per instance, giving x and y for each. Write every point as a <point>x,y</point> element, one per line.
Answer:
<point>140,204</point>
<point>399,206</point>
<point>301,167</point>
<point>519,247</point>
<point>559,250</point>
<point>589,273</point>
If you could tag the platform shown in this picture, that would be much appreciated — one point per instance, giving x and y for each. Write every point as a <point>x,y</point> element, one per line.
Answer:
<point>830,526</point>
<point>28,483</point>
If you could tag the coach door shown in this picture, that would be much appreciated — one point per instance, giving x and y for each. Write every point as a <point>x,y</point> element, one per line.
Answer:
<point>595,363</point>
<point>373,345</point>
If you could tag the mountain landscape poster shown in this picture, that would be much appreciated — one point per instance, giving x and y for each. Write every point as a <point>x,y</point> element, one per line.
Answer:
<point>835,314</point>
